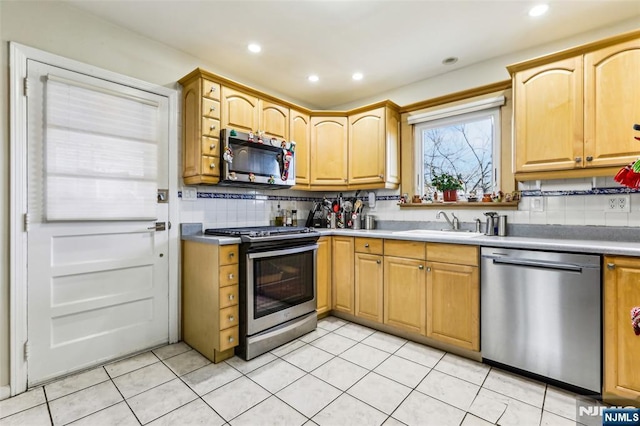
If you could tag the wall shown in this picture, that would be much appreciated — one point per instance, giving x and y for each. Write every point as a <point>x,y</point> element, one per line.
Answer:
<point>63,30</point>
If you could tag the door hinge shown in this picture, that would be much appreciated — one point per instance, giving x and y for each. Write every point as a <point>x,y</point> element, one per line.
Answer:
<point>27,350</point>
<point>27,219</point>
<point>26,87</point>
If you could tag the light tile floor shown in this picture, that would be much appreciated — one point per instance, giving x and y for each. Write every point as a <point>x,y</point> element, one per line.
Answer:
<point>339,374</point>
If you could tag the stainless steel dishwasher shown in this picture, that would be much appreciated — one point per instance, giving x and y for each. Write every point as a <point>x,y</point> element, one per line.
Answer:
<point>541,313</point>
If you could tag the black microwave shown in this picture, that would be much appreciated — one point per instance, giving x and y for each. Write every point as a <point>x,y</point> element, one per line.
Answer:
<point>249,161</point>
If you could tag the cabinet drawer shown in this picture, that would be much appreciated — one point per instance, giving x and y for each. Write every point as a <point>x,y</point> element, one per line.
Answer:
<point>210,166</point>
<point>210,127</point>
<point>228,338</point>
<point>452,253</point>
<point>228,296</point>
<point>210,89</point>
<point>210,146</point>
<point>228,255</point>
<point>228,317</point>
<point>211,108</point>
<point>228,275</point>
<point>369,245</point>
<point>406,249</point>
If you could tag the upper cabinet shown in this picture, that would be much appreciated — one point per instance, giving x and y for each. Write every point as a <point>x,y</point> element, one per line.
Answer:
<point>374,148</point>
<point>300,131</point>
<point>329,150</point>
<point>240,111</point>
<point>574,111</point>
<point>274,120</point>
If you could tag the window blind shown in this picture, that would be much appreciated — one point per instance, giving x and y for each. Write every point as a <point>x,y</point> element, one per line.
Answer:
<point>101,153</point>
<point>480,105</point>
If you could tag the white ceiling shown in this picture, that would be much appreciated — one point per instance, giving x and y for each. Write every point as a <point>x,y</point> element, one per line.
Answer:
<point>393,43</point>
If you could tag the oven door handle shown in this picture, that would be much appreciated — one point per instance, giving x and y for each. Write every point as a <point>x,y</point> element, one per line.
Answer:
<point>284,252</point>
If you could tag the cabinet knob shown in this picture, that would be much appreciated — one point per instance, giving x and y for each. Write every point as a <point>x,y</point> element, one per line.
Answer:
<point>212,127</point>
<point>230,339</point>
<point>212,146</point>
<point>212,166</point>
<point>378,261</point>
<point>213,108</point>
<point>428,268</point>
<point>231,297</point>
<point>345,179</point>
<point>589,158</point>
<point>381,176</point>
<point>366,245</point>
<point>611,266</point>
<point>232,254</point>
<point>213,89</point>
<point>420,266</point>
<point>231,318</point>
<point>231,276</point>
<point>578,159</point>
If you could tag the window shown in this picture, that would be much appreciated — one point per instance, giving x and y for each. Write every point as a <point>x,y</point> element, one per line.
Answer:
<point>464,144</point>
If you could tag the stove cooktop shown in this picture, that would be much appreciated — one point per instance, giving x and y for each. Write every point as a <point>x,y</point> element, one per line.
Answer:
<point>259,231</point>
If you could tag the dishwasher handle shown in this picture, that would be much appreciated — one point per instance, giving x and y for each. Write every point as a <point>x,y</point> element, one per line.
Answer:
<point>539,264</point>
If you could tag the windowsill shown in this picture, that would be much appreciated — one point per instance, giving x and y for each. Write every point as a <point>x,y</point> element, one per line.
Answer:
<point>511,205</point>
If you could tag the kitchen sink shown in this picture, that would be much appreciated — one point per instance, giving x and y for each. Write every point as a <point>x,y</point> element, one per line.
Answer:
<point>449,233</point>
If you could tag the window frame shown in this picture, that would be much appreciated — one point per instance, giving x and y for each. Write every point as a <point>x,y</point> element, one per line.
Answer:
<point>418,128</point>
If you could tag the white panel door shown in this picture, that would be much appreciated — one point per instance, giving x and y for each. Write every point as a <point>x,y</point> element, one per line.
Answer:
<point>97,290</point>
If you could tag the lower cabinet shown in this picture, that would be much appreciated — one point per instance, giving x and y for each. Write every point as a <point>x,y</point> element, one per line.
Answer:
<point>369,286</point>
<point>404,294</point>
<point>342,274</point>
<point>621,344</point>
<point>210,298</point>
<point>323,275</point>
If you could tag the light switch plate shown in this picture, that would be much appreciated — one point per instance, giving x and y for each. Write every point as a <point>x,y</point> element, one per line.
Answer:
<point>537,204</point>
<point>189,194</point>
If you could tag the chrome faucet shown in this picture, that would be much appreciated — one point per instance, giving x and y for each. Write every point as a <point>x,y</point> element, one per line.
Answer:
<point>455,224</point>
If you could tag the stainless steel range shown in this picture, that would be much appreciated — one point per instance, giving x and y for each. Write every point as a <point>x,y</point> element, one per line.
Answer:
<point>277,285</point>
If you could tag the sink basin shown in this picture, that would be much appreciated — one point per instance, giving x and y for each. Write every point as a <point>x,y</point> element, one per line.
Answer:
<point>448,233</point>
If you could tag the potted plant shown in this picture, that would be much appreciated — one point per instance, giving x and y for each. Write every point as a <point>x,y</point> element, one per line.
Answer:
<point>448,184</point>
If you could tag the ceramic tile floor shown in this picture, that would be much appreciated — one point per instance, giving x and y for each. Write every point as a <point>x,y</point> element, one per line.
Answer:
<point>339,374</point>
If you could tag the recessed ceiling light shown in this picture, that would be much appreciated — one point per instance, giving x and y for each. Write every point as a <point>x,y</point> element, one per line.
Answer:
<point>313,78</point>
<point>450,60</point>
<point>538,10</point>
<point>254,48</point>
<point>357,76</point>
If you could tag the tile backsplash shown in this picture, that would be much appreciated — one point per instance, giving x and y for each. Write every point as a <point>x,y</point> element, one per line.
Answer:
<point>543,203</point>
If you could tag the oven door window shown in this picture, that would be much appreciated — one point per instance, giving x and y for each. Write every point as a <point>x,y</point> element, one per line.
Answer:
<point>281,282</point>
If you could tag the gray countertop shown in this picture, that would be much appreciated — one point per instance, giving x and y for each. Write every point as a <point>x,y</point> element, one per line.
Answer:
<point>193,233</point>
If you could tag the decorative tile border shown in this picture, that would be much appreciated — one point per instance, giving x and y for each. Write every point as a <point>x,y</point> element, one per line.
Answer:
<point>235,196</point>
<point>594,191</point>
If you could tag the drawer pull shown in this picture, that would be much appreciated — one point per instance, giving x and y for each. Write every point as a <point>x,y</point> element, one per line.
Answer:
<point>578,159</point>
<point>589,158</point>
<point>212,166</point>
<point>232,254</point>
<point>231,318</point>
<point>212,127</point>
<point>213,108</point>
<point>231,339</point>
<point>611,266</point>
<point>212,146</point>
<point>378,261</point>
<point>231,297</point>
<point>231,276</point>
<point>381,176</point>
<point>366,245</point>
<point>213,89</point>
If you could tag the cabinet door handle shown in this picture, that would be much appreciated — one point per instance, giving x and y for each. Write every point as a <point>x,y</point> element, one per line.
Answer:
<point>428,268</point>
<point>611,266</point>
<point>231,319</point>
<point>231,339</point>
<point>232,254</point>
<point>590,158</point>
<point>420,266</point>
<point>366,245</point>
<point>381,176</point>
<point>578,159</point>
<point>231,297</point>
<point>378,261</point>
<point>231,276</point>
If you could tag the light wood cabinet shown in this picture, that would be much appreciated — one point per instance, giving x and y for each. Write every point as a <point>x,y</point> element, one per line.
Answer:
<point>374,148</point>
<point>323,275</point>
<point>621,345</point>
<point>574,111</point>
<point>548,120</point>
<point>240,110</point>
<point>300,131</point>
<point>329,151</point>
<point>404,285</point>
<point>369,286</point>
<point>453,295</point>
<point>210,298</point>
<point>342,274</point>
<point>612,91</point>
<point>274,120</point>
